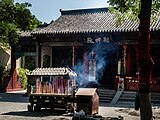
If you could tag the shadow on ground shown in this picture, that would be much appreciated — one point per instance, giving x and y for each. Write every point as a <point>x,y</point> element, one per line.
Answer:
<point>14,97</point>
<point>61,115</point>
<point>42,113</point>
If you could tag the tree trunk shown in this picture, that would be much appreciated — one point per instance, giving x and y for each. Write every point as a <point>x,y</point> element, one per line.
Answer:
<point>144,60</point>
<point>13,66</point>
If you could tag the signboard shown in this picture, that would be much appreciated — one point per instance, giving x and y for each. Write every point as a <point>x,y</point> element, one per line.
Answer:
<point>104,39</point>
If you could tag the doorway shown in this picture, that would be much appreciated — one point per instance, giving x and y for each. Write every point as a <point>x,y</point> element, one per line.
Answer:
<point>110,70</point>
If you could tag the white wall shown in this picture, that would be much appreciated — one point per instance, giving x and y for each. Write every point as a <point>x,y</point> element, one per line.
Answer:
<point>5,58</point>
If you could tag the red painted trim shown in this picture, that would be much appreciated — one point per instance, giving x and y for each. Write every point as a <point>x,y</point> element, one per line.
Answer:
<point>13,82</point>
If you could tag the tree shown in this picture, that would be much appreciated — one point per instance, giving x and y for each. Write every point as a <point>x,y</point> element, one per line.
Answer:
<point>143,9</point>
<point>14,17</point>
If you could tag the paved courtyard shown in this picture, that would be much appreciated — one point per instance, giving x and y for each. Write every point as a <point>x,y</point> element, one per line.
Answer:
<point>13,106</point>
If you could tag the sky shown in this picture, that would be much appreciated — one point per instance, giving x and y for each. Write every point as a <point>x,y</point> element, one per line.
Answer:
<point>48,10</point>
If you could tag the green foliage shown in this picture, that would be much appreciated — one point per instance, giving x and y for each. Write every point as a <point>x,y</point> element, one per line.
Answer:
<point>131,9</point>
<point>14,18</point>
<point>9,34</point>
<point>126,6</point>
<point>22,74</point>
<point>123,8</point>
<point>5,71</point>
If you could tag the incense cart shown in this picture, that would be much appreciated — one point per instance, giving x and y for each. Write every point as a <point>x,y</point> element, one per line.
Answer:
<point>51,88</point>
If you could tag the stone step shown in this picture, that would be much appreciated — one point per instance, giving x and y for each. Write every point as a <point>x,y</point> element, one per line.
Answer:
<point>106,95</point>
<point>104,101</point>
<point>130,96</point>
<point>155,98</point>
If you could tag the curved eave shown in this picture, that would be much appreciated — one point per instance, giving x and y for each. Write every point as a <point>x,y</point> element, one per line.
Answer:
<point>90,31</point>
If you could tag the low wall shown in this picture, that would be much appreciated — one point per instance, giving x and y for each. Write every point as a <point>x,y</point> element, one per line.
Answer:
<point>132,84</point>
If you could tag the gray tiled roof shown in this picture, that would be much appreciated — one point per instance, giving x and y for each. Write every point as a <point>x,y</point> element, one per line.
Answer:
<point>53,71</point>
<point>90,20</point>
<point>25,33</point>
<point>29,33</point>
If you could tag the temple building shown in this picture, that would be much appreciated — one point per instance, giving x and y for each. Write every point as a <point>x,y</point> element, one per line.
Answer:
<point>90,42</point>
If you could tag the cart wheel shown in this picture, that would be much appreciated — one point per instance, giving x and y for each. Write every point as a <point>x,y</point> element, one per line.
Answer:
<point>36,108</point>
<point>67,109</point>
<point>71,108</point>
<point>30,108</point>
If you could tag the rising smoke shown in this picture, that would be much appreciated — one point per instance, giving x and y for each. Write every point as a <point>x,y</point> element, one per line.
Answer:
<point>102,52</point>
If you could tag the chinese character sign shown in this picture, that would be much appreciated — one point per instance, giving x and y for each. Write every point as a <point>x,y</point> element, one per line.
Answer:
<point>104,39</point>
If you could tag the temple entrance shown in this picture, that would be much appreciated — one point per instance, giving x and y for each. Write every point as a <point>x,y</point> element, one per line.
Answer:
<point>62,57</point>
<point>110,70</point>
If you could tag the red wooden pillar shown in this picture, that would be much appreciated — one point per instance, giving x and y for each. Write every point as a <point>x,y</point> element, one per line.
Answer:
<point>129,61</point>
<point>124,58</point>
<point>73,54</point>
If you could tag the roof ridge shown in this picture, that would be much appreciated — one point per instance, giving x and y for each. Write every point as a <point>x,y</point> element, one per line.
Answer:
<point>83,11</point>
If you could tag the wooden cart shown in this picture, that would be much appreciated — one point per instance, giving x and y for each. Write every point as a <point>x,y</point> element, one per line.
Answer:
<point>51,88</point>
